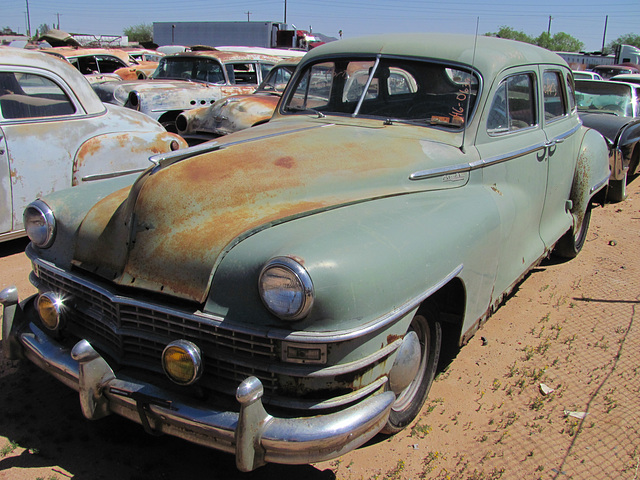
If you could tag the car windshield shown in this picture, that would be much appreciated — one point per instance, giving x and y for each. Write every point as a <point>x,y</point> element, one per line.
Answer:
<point>604,97</point>
<point>389,88</point>
<point>276,80</point>
<point>190,68</point>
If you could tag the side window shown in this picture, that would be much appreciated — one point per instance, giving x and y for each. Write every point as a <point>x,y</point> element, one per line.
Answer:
<point>571,93</point>
<point>265,68</point>
<point>245,73</point>
<point>24,95</point>
<point>87,65</point>
<point>314,89</point>
<point>109,64</point>
<point>513,106</point>
<point>554,104</point>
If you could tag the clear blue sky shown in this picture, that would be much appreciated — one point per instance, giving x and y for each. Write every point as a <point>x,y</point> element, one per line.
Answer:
<point>583,19</point>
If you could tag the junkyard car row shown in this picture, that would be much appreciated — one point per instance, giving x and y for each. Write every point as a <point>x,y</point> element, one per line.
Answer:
<point>237,112</point>
<point>280,292</point>
<point>188,80</point>
<point>613,109</point>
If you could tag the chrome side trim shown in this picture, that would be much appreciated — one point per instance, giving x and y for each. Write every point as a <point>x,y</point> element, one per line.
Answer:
<point>468,167</point>
<point>599,185</point>
<point>102,176</point>
<point>4,237</point>
<point>372,326</point>
<point>567,134</point>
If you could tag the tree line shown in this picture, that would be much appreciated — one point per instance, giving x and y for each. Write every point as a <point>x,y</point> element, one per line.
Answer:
<point>561,41</point>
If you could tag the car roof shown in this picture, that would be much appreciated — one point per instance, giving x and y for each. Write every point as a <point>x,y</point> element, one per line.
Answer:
<point>488,54</point>
<point>70,52</point>
<point>32,58</point>
<point>607,82</point>
<point>626,77</point>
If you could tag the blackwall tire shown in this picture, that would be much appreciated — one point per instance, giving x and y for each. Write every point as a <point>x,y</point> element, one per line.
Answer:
<point>572,242</point>
<point>409,402</point>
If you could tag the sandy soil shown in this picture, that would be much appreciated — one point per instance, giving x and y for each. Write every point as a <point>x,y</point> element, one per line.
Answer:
<point>569,326</point>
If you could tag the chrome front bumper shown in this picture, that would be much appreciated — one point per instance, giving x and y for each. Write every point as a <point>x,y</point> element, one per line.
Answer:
<point>254,436</point>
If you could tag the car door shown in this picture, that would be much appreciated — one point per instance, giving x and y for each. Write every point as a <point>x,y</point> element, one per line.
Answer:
<point>42,124</point>
<point>562,130</point>
<point>511,144</point>
<point>5,187</point>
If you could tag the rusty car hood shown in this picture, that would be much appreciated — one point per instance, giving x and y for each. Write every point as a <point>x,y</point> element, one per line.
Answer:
<point>168,233</point>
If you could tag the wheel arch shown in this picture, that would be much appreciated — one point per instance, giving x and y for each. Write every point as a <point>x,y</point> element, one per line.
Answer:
<point>450,300</point>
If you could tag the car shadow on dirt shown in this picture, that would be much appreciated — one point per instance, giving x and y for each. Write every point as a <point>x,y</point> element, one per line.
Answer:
<point>13,246</point>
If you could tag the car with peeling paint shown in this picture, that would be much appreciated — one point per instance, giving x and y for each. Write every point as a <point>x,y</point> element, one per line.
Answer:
<point>188,80</point>
<point>56,133</point>
<point>283,293</point>
<point>237,112</point>
<point>100,65</point>
<point>613,109</point>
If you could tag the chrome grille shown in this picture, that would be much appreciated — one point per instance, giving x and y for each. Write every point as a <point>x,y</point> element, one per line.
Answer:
<point>135,334</point>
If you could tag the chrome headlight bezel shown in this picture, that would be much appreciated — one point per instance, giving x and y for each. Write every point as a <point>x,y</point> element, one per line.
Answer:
<point>292,303</point>
<point>191,352</point>
<point>39,223</point>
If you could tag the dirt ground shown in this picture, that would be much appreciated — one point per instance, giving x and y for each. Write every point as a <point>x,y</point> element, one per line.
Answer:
<point>570,326</point>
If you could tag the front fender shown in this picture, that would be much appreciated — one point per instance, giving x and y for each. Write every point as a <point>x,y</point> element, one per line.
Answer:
<point>117,154</point>
<point>368,260</point>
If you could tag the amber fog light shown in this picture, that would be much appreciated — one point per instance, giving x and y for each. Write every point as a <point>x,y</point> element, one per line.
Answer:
<point>49,306</point>
<point>182,362</point>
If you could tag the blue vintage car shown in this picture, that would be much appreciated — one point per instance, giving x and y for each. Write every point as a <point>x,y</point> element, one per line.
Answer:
<point>281,293</point>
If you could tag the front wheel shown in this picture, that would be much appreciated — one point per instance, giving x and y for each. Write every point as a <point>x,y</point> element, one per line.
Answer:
<point>421,351</point>
<point>572,242</point>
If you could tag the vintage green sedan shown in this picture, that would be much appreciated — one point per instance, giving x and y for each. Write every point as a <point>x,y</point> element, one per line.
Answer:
<point>283,294</point>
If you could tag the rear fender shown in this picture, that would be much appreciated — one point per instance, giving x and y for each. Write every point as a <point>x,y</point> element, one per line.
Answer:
<point>591,175</point>
<point>117,154</point>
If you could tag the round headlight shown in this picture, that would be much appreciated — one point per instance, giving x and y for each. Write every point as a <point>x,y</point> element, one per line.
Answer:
<point>49,306</point>
<point>286,288</point>
<point>182,362</point>
<point>39,223</point>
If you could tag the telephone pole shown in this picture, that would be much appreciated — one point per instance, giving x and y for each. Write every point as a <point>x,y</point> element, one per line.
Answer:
<point>28,20</point>
<point>248,16</point>
<point>604,35</point>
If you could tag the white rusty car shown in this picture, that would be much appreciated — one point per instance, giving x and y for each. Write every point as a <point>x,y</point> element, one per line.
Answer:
<point>237,112</point>
<point>56,133</point>
<point>283,293</point>
<point>188,80</point>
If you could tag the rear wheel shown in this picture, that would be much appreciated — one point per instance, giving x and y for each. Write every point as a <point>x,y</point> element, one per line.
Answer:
<point>572,242</point>
<point>421,351</point>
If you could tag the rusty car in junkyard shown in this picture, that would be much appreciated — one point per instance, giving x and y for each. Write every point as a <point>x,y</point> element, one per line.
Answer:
<point>237,112</point>
<point>613,109</point>
<point>283,293</point>
<point>104,64</point>
<point>188,80</point>
<point>55,133</point>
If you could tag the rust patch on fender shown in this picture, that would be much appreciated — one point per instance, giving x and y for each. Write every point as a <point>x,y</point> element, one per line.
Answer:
<point>285,162</point>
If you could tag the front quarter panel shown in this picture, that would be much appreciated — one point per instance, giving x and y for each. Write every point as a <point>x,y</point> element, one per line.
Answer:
<point>368,260</point>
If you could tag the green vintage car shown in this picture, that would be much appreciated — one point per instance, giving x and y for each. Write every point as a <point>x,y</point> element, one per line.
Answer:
<point>283,293</point>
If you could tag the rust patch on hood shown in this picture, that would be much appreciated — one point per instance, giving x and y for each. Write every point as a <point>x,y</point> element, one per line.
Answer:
<point>187,215</point>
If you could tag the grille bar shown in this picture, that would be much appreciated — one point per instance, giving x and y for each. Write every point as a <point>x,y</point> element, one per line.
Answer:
<point>136,334</point>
